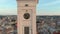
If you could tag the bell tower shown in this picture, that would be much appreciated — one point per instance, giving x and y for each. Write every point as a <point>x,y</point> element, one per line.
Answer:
<point>26,16</point>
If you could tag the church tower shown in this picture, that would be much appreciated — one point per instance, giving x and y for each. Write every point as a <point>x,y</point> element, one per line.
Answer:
<point>26,16</point>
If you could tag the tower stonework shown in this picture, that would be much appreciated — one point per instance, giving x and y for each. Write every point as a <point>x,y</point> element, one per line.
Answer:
<point>26,16</point>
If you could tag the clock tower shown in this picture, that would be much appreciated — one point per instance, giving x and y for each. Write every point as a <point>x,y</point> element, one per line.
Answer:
<point>26,18</point>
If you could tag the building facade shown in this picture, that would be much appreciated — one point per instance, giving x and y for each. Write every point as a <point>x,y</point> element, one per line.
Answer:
<point>26,16</point>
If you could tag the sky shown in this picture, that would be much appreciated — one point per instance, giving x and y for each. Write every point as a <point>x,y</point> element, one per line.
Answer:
<point>44,7</point>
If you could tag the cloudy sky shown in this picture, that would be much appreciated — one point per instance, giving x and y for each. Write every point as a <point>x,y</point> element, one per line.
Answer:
<point>44,7</point>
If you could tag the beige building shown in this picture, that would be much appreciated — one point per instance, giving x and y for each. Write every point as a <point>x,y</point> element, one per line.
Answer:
<point>26,16</point>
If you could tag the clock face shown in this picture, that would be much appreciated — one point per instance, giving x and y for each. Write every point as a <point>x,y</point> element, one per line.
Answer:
<point>26,15</point>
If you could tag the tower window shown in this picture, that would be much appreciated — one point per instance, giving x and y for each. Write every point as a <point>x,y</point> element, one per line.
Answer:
<point>26,30</point>
<point>26,5</point>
